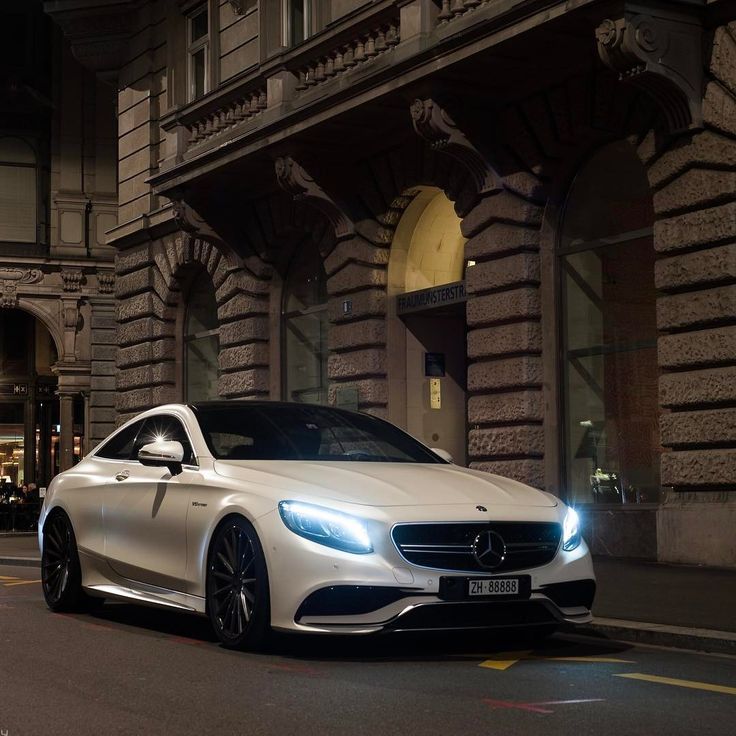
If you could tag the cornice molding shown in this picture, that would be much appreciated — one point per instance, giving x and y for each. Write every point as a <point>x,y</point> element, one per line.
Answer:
<point>662,54</point>
<point>433,123</point>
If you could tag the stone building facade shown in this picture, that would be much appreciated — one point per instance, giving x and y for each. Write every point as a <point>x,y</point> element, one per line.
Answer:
<point>58,197</point>
<point>508,226</point>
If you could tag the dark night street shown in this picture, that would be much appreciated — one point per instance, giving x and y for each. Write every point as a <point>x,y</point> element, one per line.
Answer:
<point>131,669</point>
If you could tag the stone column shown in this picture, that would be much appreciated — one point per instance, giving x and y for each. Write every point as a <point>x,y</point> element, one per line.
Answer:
<point>66,436</point>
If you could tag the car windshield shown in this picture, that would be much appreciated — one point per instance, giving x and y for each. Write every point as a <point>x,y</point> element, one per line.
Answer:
<point>305,432</point>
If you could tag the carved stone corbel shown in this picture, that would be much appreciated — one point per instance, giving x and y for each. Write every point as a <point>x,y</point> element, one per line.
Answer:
<point>238,6</point>
<point>190,221</point>
<point>434,124</point>
<point>661,54</point>
<point>296,181</point>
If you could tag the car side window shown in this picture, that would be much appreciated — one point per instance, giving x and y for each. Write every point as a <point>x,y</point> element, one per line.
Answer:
<point>120,446</point>
<point>165,427</point>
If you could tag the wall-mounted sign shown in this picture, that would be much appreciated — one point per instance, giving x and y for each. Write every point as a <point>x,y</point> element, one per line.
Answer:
<point>435,296</point>
<point>435,393</point>
<point>14,389</point>
<point>347,306</point>
<point>434,364</point>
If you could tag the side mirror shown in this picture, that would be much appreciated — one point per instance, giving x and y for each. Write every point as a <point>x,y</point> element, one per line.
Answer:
<point>443,454</point>
<point>164,453</point>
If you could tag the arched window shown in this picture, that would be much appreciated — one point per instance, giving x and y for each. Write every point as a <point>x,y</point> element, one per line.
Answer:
<point>609,332</point>
<point>201,342</point>
<point>18,191</point>
<point>305,328</point>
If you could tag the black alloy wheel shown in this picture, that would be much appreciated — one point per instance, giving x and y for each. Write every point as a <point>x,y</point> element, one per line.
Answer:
<point>61,574</point>
<point>237,586</point>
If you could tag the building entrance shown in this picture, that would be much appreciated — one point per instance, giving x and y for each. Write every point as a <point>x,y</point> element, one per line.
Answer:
<point>427,326</point>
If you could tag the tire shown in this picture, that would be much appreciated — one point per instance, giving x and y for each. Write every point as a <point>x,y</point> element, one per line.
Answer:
<point>237,591</point>
<point>61,573</point>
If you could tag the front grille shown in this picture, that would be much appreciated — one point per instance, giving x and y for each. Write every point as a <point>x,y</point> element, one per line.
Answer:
<point>449,546</point>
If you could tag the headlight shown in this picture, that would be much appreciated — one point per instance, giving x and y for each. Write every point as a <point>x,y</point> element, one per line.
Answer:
<point>571,531</point>
<point>325,526</point>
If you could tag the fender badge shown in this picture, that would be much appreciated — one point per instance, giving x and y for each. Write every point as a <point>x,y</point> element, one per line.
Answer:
<point>481,508</point>
<point>198,503</point>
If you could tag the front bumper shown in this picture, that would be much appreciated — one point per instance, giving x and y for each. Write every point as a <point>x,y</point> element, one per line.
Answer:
<point>316,589</point>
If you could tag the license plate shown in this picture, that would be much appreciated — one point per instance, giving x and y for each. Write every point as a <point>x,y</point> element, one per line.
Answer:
<point>493,586</point>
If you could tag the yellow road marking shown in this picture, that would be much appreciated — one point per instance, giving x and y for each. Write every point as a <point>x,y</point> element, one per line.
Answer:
<point>681,683</point>
<point>504,660</point>
<point>6,577</point>
<point>592,658</point>
<point>21,582</point>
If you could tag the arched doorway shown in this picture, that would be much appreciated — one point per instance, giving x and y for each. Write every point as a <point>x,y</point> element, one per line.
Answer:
<point>611,446</point>
<point>29,406</point>
<point>427,326</point>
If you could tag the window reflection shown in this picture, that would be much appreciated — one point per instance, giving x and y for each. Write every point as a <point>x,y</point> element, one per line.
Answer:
<point>612,445</point>
<point>201,342</point>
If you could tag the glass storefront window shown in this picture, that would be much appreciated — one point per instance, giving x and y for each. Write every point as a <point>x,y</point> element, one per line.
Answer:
<point>611,443</point>
<point>305,328</point>
<point>201,342</point>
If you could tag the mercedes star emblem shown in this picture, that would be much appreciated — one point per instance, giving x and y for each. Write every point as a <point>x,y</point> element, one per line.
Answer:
<point>489,549</point>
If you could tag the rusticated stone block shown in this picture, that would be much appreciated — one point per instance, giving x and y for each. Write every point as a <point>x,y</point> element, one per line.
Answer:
<point>371,391</point>
<point>356,276</point>
<point>696,308</point>
<point>723,58</point>
<point>499,238</point>
<point>518,440</point>
<point>693,388</point>
<point>244,383</point>
<point>241,282</point>
<point>508,373</point>
<point>515,406</point>
<point>133,259</point>
<point>141,399</point>
<point>529,471</point>
<point>719,109</point>
<point>702,267</point>
<point>702,227</point>
<point>139,330</point>
<point>367,332</point>
<point>706,149</point>
<point>147,352</point>
<point>148,375</point>
<point>488,309</point>
<point>149,279</point>
<point>507,339</point>
<point>244,330</point>
<point>515,270</point>
<point>368,303</point>
<point>244,356</point>
<point>356,249</point>
<point>142,305</point>
<point>697,348</point>
<point>102,383</point>
<point>374,232</point>
<point>699,468</point>
<point>241,305</point>
<point>703,187</point>
<point>715,426</point>
<point>370,362</point>
<point>103,352</point>
<point>501,207</point>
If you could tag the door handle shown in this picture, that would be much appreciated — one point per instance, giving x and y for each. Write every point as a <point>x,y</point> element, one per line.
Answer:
<point>122,475</point>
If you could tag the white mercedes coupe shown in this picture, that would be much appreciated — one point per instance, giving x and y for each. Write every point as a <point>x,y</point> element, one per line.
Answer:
<point>294,517</point>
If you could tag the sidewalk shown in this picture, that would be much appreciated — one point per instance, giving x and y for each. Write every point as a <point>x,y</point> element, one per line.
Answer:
<point>647,602</point>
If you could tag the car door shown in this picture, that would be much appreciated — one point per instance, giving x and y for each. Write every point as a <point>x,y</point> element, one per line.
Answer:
<point>145,511</point>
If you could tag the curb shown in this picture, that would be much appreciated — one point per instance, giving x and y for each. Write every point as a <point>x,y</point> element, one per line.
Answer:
<point>21,561</point>
<point>663,635</point>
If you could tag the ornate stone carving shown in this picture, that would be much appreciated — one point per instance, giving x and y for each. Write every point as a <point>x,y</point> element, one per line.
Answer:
<point>106,282</point>
<point>435,125</point>
<point>662,55</point>
<point>72,279</point>
<point>11,278</point>
<point>296,181</point>
<point>238,6</point>
<point>190,221</point>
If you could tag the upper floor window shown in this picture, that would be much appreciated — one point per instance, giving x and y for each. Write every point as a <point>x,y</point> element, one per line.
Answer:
<point>297,21</point>
<point>18,191</point>
<point>198,47</point>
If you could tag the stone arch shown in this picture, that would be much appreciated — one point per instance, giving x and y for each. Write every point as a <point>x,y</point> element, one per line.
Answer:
<point>52,324</point>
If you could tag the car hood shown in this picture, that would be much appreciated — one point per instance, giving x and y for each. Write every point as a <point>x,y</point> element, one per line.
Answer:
<point>384,484</point>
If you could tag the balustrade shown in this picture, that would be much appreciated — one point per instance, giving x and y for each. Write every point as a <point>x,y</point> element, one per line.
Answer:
<point>454,8</point>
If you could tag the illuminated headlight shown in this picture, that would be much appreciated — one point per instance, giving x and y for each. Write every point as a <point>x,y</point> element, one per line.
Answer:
<point>325,526</point>
<point>571,531</point>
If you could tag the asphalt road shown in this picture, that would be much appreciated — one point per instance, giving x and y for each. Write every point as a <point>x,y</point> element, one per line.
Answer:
<point>133,670</point>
